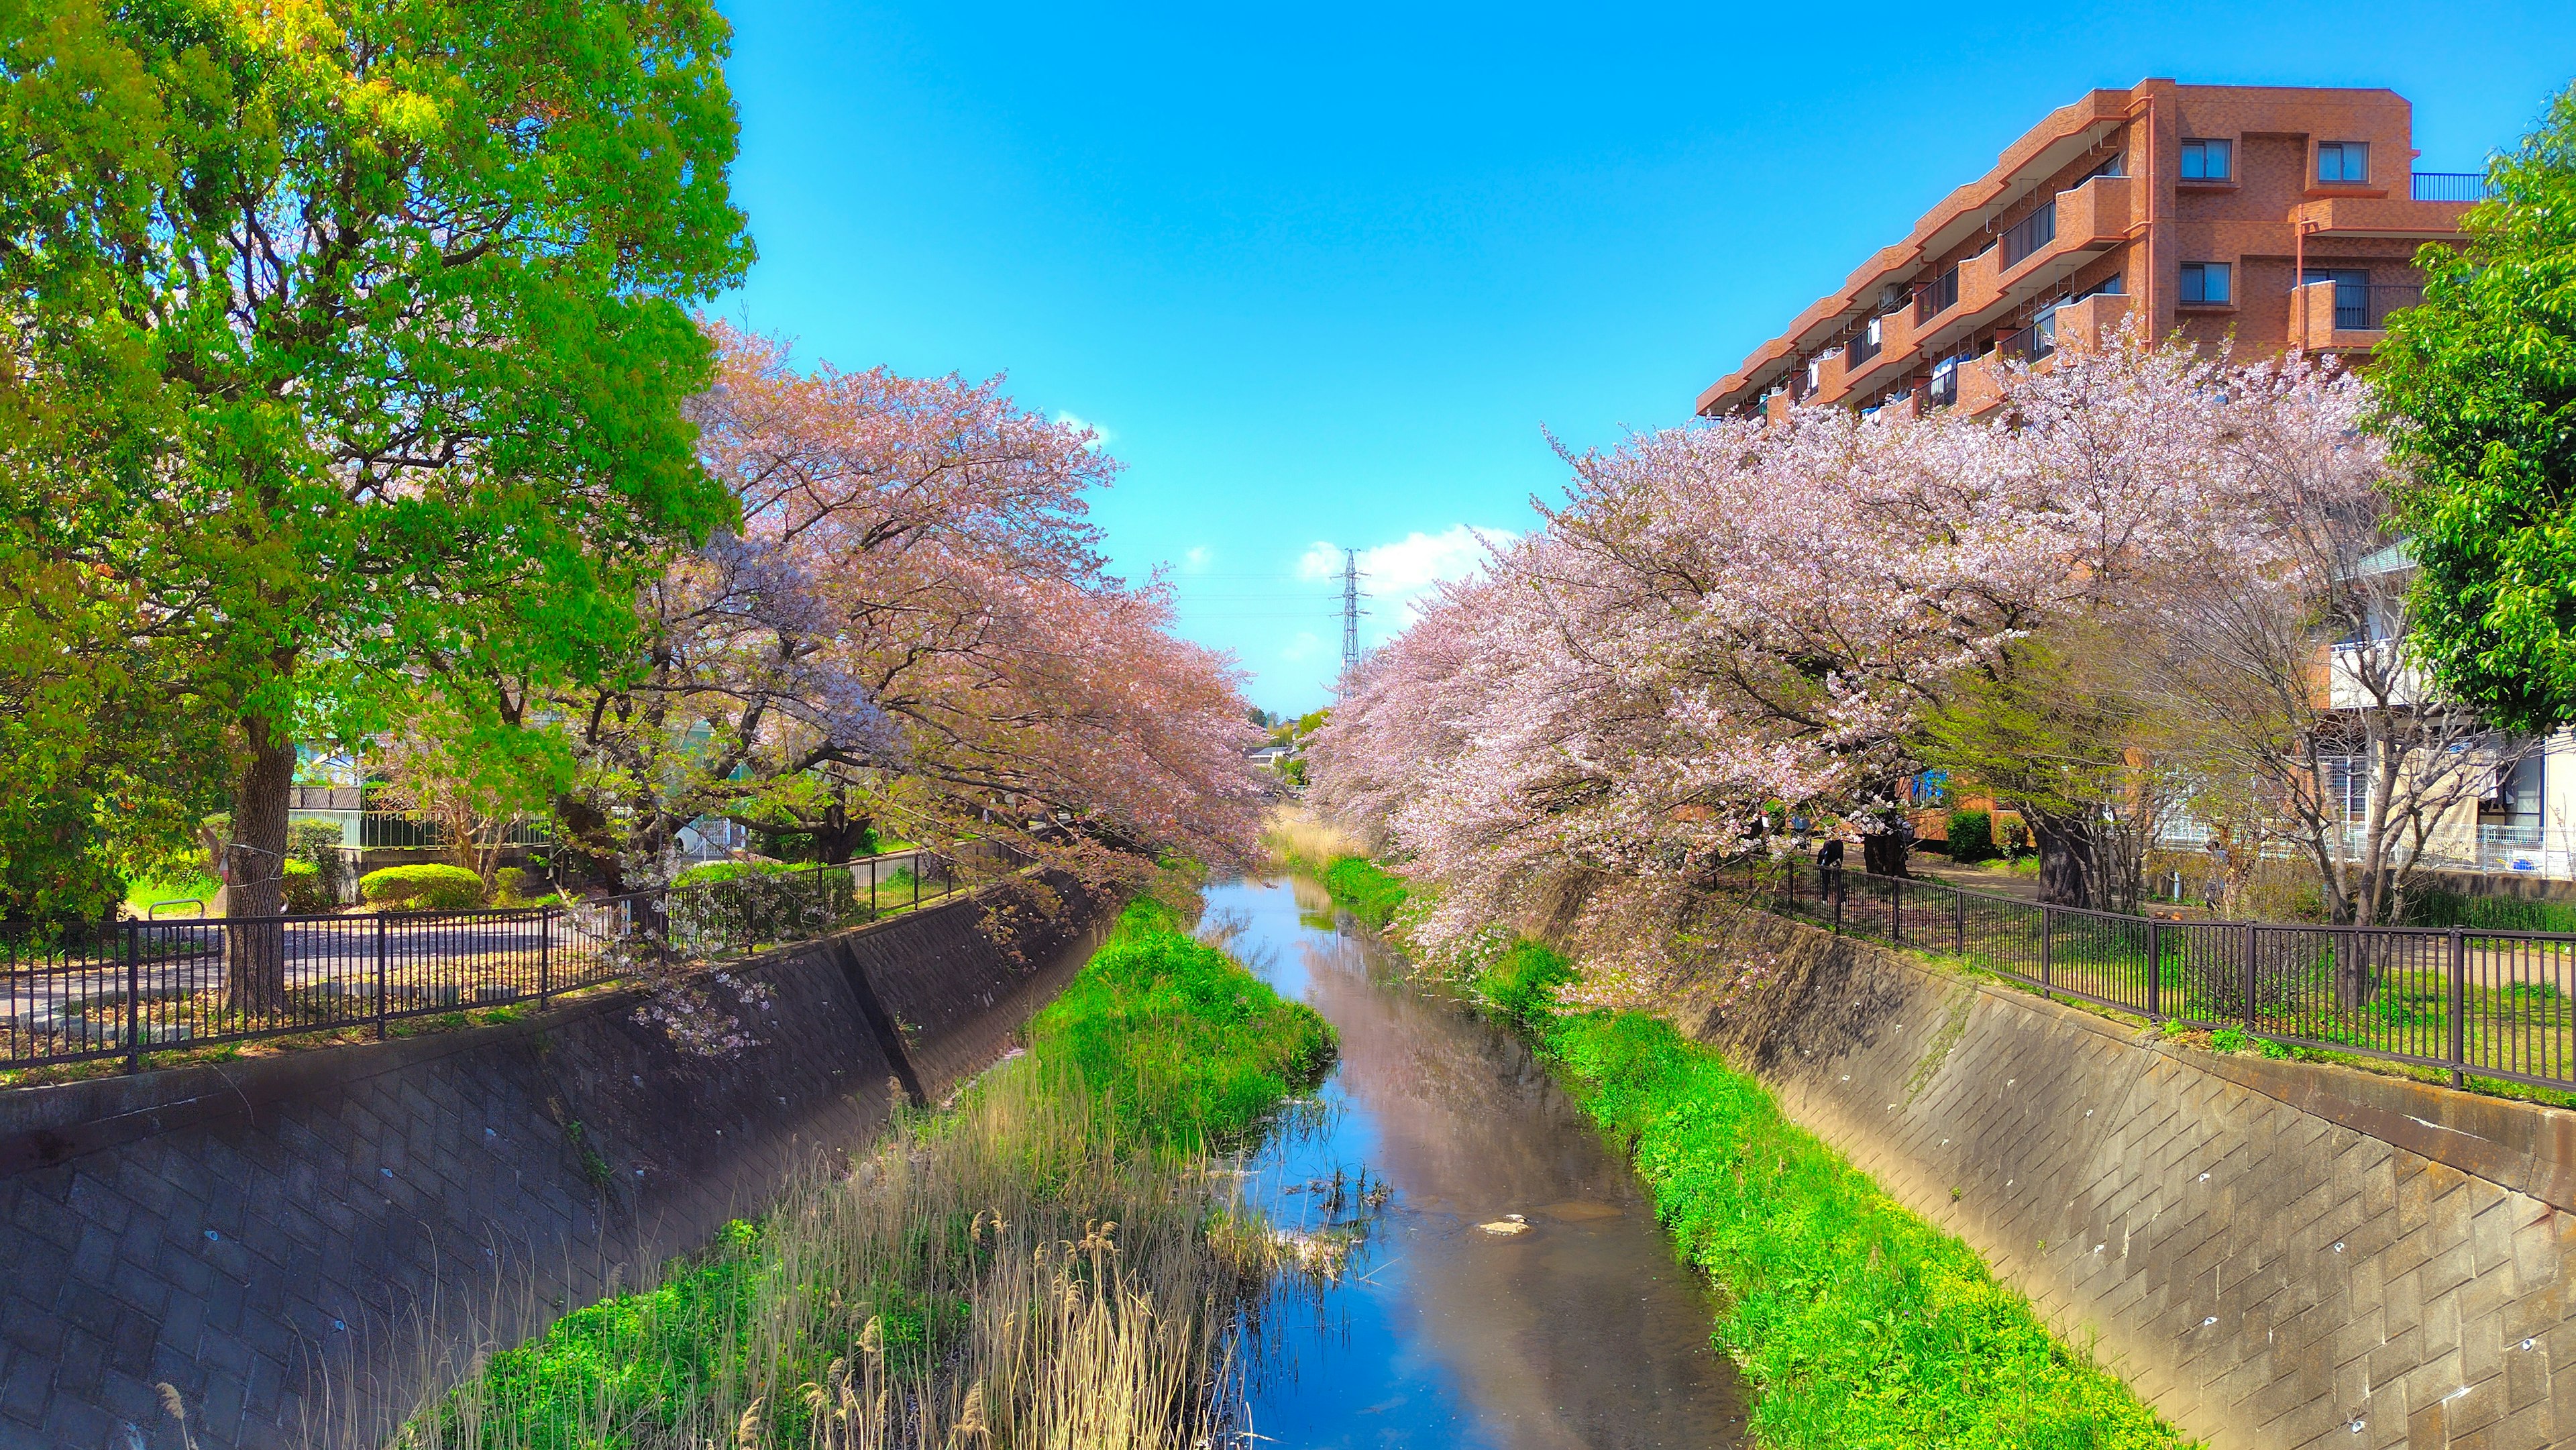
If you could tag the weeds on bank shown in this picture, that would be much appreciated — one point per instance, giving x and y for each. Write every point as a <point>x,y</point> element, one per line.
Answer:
<point>1858,1323</point>
<point>1044,1264</point>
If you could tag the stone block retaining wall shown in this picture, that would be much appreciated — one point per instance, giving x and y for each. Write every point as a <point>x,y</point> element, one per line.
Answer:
<point>2276,1254</point>
<point>300,1243</point>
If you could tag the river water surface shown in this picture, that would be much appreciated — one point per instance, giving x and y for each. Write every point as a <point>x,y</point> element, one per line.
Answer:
<point>1580,1330</point>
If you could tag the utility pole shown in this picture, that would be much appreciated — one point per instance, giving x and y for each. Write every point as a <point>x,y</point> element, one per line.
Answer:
<point>1350,613</point>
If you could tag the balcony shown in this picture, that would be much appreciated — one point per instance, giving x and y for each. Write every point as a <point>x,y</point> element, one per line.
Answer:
<point>2031,343</point>
<point>2089,219</point>
<point>2330,316</point>
<point>2089,325</point>
<point>2469,186</point>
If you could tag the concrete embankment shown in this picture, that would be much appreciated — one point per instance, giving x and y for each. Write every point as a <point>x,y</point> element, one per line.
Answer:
<point>300,1243</point>
<point>2274,1253</point>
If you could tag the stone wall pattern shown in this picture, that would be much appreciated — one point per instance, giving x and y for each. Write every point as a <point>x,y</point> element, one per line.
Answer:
<point>2275,1254</point>
<point>300,1243</point>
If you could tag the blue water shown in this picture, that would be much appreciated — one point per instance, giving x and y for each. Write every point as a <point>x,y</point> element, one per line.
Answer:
<point>1582,1331</point>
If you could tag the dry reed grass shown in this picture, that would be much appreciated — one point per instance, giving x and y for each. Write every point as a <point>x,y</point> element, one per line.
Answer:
<point>1295,836</point>
<point>1008,1273</point>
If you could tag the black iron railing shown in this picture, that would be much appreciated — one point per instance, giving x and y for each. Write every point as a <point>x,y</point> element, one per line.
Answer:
<point>131,987</point>
<point>2470,1002</point>
<point>2030,234</point>
<point>2363,306</point>
<point>1936,296</point>
<point>2033,342</point>
<point>2449,186</point>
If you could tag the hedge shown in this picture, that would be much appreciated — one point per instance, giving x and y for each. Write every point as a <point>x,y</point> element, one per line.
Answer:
<point>423,888</point>
<point>1972,836</point>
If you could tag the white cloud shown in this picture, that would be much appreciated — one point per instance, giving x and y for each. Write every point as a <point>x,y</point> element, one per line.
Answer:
<point>1197,559</point>
<point>1395,578</point>
<point>1100,434</point>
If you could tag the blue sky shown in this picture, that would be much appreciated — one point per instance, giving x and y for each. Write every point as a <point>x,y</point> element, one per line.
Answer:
<point>1326,276</point>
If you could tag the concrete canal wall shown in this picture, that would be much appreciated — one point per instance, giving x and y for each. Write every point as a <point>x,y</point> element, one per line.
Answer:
<point>299,1243</point>
<point>2275,1253</point>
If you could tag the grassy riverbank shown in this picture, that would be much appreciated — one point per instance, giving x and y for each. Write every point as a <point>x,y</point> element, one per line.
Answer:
<point>1859,1323</point>
<point>1043,1263</point>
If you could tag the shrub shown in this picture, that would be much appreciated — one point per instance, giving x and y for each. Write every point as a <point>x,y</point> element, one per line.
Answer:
<point>318,843</point>
<point>422,888</point>
<point>306,895</point>
<point>1521,984</point>
<point>509,886</point>
<point>1972,836</point>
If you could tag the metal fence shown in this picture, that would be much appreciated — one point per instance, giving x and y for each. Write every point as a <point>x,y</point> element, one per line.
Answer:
<point>2468,1001</point>
<point>135,986</point>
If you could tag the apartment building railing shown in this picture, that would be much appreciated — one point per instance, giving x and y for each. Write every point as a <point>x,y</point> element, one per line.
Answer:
<point>2363,306</point>
<point>135,986</point>
<point>2467,1002</point>
<point>1936,296</point>
<point>2030,234</point>
<point>2449,186</point>
<point>2033,342</point>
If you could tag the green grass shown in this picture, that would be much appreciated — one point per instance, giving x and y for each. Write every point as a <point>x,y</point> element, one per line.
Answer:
<point>1160,1048</point>
<point>1185,1046</point>
<point>144,893</point>
<point>1370,894</point>
<point>1862,1324</point>
<point>1859,1323</point>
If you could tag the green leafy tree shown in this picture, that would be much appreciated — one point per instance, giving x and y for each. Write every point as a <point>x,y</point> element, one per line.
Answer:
<point>2479,384</point>
<point>342,336</point>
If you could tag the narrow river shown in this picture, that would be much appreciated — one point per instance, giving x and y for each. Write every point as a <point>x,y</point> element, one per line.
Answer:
<point>1578,1330</point>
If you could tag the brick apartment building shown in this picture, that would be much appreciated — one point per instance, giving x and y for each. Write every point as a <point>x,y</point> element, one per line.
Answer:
<point>2282,216</point>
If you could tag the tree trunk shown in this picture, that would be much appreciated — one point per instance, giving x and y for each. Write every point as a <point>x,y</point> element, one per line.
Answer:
<point>2065,857</point>
<point>255,869</point>
<point>840,837</point>
<point>1883,854</point>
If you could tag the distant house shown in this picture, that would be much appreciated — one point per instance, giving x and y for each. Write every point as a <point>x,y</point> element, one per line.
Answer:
<point>1269,756</point>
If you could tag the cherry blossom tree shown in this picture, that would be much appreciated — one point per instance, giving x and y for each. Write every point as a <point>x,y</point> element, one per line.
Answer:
<point>912,626</point>
<point>1731,622</point>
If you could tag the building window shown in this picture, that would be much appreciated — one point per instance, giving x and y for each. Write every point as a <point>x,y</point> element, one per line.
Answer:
<point>2343,163</point>
<point>2205,284</point>
<point>2347,786</point>
<point>2030,234</point>
<point>1938,296</point>
<point>2208,160</point>
<point>2112,167</point>
<point>2110,286</point>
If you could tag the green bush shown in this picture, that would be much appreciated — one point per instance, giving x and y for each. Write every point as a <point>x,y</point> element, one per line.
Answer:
<point>1972,836</point>
<point>706,872</point>
<point>1521,983</point>
<point>318,844</point>
<point>1372,895</point>
<point>305,893</point>
<point>427,887</point>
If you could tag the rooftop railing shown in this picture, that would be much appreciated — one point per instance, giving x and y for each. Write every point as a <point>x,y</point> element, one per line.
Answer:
<point>2449,186</point>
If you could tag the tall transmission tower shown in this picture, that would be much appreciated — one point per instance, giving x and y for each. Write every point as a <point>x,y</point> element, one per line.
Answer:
<point>1350,612</point>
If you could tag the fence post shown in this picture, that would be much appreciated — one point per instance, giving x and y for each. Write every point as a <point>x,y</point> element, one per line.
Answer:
<point>545,953</point>
<point>2047,949</point>
<point>2155,969</point>
<point>380,976</point>
<point>1896,909</point>
<point>2459,1007</point>
<point>1959,921</point>
<point>133,1004</point>
<point>1832,886</point>
<point>2246,1008</point>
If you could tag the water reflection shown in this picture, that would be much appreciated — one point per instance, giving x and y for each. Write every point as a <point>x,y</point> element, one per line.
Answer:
<point>1513,1289</point>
